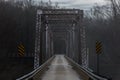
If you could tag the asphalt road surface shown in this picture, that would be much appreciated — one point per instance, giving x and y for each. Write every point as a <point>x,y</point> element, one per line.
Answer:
<point>60,69</point>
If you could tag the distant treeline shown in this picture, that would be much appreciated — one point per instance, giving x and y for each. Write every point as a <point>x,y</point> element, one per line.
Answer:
<point>17,25</point>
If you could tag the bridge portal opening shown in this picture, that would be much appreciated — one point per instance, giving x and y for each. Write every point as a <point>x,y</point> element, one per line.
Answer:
<point>59,46</point>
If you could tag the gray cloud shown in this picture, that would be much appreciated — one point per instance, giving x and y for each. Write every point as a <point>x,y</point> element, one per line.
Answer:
<point>81,4</point>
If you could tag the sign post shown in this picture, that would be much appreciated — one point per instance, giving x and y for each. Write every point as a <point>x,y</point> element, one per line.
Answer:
<point>98,52</point>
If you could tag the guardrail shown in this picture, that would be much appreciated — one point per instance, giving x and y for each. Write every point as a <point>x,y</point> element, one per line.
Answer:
<point>37,72</point>
<point>86,74</point>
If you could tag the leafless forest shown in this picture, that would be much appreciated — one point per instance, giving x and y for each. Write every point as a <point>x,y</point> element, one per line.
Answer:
<point>17,24</point>
<point>103,24</point>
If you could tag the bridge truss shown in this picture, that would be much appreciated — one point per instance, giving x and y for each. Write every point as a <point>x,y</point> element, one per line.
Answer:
<point>60,24</point>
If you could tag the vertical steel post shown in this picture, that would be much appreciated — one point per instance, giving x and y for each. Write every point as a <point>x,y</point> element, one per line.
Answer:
<point>83,48</point>
<point>71,43</point>
<point>37,39</point>
<point>47,47</point>
<point>83,43</point>
<point>98,63</point>
<point>67,43</point>
<point>73,37</point>
<point>52,47</point>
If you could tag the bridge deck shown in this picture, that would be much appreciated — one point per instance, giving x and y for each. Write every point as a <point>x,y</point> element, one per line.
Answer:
<point>60,69</point>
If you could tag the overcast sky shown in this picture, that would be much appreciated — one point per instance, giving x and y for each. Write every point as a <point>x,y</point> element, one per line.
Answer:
<point>81,4</point>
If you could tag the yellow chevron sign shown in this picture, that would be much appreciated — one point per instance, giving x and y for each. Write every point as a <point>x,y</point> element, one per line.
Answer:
<point>21,50</point>
<point>98,47</point>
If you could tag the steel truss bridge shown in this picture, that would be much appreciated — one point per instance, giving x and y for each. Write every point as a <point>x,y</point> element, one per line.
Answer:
<point>60,47</point>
